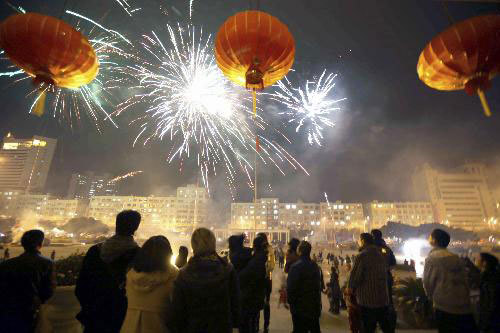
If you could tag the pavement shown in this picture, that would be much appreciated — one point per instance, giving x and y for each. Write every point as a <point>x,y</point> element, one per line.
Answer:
<point>281,321</point>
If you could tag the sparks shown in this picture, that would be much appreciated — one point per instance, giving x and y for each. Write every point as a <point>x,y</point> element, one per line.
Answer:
<point>309,107</point>
<point>183,96</point>
<point>127,175</point>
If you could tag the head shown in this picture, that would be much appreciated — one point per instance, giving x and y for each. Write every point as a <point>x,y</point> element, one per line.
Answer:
<point>183,252</point>
<point>153,256</point>
<point>235,242</point>
<point>203,242</point>
<point>365,239</point>
<point>439,238</point>
<point>304,249</point>
<point>293,244</point>
<point>263,235</point>
<point>487,262</point>
<point>377,234</point>
<point>259,244</point>
<point>32,240</point>
<point>127,222</point>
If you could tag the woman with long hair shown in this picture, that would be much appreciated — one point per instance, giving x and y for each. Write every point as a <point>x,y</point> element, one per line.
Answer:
<point>149,287</point>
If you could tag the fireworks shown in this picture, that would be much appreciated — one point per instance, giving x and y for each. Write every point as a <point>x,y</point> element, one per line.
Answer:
<point>70,104</point>
<point>187,100</point>
<point>308,107</point>
<point>127,175</point>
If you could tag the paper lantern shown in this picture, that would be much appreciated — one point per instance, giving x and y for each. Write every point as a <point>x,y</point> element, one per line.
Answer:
<point>254,49</point>
<point>464,56</point>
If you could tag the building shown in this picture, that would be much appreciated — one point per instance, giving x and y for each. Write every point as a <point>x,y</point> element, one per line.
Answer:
<point>182,212</point>
<point>413,213</point>
<point>40,207</point>
<point>269,213</point>
<point>339,215</point>
<point>89,184</point>
<point>460,198</point>
<point>25,163</point>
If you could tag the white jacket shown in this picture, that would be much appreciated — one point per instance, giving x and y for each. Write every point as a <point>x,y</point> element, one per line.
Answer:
<point>445,282</point>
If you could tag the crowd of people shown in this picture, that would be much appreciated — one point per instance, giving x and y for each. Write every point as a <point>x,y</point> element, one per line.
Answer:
<point>124,287</point>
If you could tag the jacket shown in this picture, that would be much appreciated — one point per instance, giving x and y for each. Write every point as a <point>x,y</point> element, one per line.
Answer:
<point>240,258</point>
<point>445,282</point>
<point>100,287</point>
<point>368,278</point>
<point>149,301</point>
<point>206,296</point>
<point>252,280</point>
<point>270,262</point>
<point>26,282</point>
<point>291,258</point>
<point>489,301</point>
<point>304,288</point>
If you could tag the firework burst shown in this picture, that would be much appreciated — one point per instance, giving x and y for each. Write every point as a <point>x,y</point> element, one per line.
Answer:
<point>309,107</point>
<point>188,101</point>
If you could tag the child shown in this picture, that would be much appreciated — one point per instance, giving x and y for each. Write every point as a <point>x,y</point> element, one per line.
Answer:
<point>283,295</point>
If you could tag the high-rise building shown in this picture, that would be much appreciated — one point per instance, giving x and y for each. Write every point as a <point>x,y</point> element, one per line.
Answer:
<point>460,198</point>
<point>25,163</point>
<point>412,213</point>
<point>89,184</point>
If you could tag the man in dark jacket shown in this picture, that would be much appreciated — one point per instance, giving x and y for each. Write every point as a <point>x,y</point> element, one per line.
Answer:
<point>489,299</point>
<point>26,282</point>
<point>253,286</point>
<point>291,253</point>
<point>304,292</point>
<point>368,283</point>
<point>100,287</point>
<point>239,255</point>
<point>205,297</point>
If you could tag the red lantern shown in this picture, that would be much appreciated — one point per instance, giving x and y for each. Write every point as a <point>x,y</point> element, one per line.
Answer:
<point>464,56</point>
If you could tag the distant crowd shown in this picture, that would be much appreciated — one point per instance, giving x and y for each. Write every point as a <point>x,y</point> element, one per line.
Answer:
<point>123,287</point>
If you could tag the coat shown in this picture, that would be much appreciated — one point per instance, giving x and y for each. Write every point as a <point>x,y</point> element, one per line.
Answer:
<point>489,301</point>
<point>26,282</point>
<point>149,301</point>
<point>446,283</point>
<point>304,288</point>
<point>368,278</point>
<point>240,258</point>
<point>206,296</point>
<point>100,287</point>
<point>253,283</point>
<point>291,258</point>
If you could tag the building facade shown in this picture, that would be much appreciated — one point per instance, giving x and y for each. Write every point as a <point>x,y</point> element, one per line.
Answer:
<point>339,215</point>
<point>182,212</point>
<point>87,185</point>
<point>25,163</point>
<point>412,213</point>
<point>40,207</point>
<point>269,213</point>
<point>460,198</point>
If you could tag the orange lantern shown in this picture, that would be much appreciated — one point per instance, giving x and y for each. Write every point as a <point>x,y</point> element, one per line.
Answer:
<point>49,50</point>
<point>254,49</point>
<point>464,56</point>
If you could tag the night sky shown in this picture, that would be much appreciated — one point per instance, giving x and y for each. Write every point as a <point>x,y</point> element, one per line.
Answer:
<point>390,123</point>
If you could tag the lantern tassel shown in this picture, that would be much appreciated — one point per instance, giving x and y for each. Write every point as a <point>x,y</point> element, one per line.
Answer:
<point>39,107</point>
<point>484,103</point>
